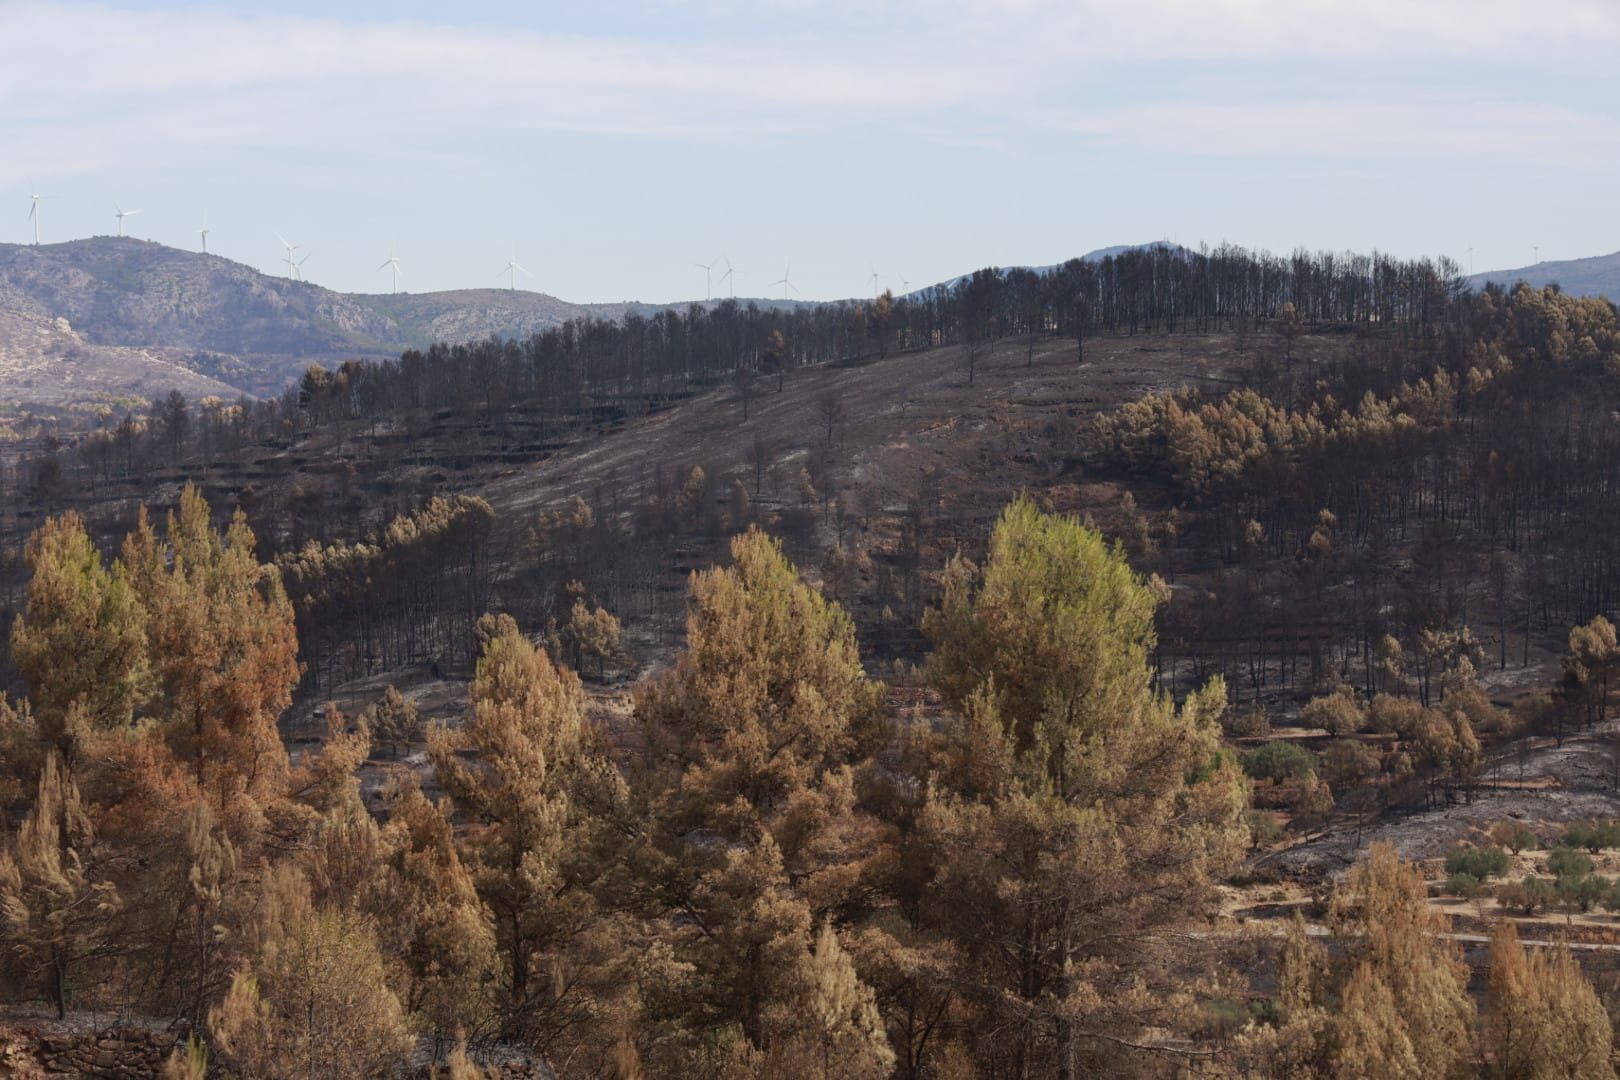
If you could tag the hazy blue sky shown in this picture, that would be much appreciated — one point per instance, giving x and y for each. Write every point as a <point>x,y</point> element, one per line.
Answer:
<point>614,143</point>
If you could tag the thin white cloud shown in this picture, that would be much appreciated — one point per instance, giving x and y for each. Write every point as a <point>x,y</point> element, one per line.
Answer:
<point>1435,129</point>
<point>1234,29</point>
<point>90,87</point>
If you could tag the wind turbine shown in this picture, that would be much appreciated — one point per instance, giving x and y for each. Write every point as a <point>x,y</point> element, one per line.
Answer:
<point>905,287</point>
<point>730,276</point>
<point>1470,260</point>
<point>394,263</point>
<point>1537,249</point>
<point>122,214</point>
<point>292,269</point>
<point>298,268</point>
<point>33,213</point>
<point>874,280</point>
<point>786,282</point>
<point>203,232</point>
<point>708,278</point>
<point>512,269</point>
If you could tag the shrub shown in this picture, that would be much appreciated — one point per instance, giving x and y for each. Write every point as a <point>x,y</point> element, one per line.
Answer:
<point>1249,724</point>
<point>1528,896</point>
<point>1336,712</point>
<point>1464,885</point>
<point>1263,829</point>
<point>1279,761</point>
<point>1514,836</point>
<point>1569,864</point>
<point>1594,836</point>
<point>1585,891</point>
<point>1222,1017</point>
<point>1347,762</point>
<point>1399,715</point>
<point>1479,863</point>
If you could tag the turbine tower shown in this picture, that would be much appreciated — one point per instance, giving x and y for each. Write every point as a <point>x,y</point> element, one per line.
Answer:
<point>33,213</point>
<point>391,263</point>
<point>203,232</point>
<point>292,268</point>
<point>708,276</point>
<point>512,269</point>
<point>730,276</point>
<point>786,282</point>
<point>122,214</point>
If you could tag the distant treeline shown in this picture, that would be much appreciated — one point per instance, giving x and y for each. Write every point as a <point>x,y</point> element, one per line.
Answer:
<point>589,363</point>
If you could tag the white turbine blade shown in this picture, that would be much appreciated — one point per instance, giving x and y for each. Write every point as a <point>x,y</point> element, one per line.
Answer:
<point>131,213</point>
<point>383,267</point>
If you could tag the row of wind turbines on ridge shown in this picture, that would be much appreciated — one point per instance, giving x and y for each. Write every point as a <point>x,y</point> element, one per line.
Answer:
<point>786,280</point>
<point>294,265</point>
<point>511,270</point>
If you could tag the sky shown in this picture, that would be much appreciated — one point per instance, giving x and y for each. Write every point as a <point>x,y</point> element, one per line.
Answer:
<point>611,145</point>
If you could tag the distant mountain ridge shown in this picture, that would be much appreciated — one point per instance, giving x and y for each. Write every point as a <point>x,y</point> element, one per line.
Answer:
<point>113,321</point>
<point>1596,276</point>
<point>81,306</point>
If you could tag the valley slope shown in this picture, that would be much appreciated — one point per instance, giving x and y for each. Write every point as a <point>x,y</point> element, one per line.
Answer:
<point>135,318</point>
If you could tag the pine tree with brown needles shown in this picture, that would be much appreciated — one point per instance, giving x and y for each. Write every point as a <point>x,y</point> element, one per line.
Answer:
<point>312,1000</point>
<point>533,798</point>
<point>757,741</point>
<point>1410,985</point>
<point>1076,813</point>
<point>55,911</point>
<point>433,920</point>
<point>829,1027</point>
<point>223,652</point>
<point>1543,1020</point>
